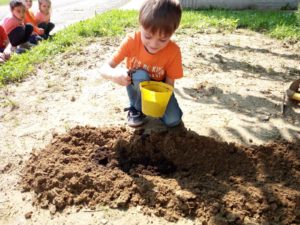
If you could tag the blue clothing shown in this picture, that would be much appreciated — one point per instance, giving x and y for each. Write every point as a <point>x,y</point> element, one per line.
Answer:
<point>173,113</point>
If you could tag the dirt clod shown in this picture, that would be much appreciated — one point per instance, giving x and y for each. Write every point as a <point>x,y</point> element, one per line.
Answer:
<point>28,215</point>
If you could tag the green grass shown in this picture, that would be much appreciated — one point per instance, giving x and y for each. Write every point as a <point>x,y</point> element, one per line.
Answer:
<point>4,2</point>
<point>277,24</point>
<point>107,24</point>
<point>281,25</point>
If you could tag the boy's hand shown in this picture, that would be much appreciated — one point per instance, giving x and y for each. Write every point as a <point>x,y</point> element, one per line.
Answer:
<point>7,53</point>
<point>117,75</point>
<point>121,77</point>
<point>41,31</point>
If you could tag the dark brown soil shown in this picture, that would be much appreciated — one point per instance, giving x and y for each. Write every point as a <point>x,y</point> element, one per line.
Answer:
<point>174,173</point>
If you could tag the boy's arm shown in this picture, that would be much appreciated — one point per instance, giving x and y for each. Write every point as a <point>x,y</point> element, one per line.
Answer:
<point>170,81</point>
<point>110,70</point>
<point>7,51</point>
<point>118,75</point>
<point>29,18</point>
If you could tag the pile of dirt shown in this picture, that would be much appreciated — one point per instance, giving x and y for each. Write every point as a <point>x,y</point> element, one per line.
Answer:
<point>174,173</point>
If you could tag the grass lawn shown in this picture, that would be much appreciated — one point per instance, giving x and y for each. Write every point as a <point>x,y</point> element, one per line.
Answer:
<point>280,25</point>
<point>277,24</point>
<point>4,2</point>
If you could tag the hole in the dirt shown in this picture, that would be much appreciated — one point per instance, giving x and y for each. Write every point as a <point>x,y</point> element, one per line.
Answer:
<point>171,174</point>
<point>131,161</point>
<point>103,161</point>
<point>102,156</point>
<point>143,163</point>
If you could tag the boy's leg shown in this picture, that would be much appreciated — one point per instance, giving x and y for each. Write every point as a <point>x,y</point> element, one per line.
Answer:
<point>28,32</point>
<point>173,114</point>
<point>133,90</point>
<point>50,27</point>
<point>43,25</point>
<point>20,35</point>
<point>2,58</point>
<point>16,36</point>
<point>135,116</point>
<point>33,40</point>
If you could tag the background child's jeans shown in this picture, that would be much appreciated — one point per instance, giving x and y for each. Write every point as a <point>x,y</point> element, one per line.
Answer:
<point>34,39</point>
<point>20,34</point>
<point>48,27</point>
<point>173,114</point>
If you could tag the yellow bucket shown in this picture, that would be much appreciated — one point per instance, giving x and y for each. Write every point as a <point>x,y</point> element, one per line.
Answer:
<point>155,97</point>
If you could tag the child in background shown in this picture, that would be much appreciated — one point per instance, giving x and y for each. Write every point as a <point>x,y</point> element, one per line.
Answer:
<point>42,17</point>
<point>29,18</point>
<point>152,56</point>
<point>17,32</point>
<point>4,46</point>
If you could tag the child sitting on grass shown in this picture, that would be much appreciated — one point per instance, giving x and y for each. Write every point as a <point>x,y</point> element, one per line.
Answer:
<point>42,17</point>
<point>35,37</point>
<point>4,46</point>
<point>18,33</point>
<point>152,56</point>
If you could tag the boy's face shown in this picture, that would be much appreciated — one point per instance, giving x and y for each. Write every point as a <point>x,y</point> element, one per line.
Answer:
<point>154,42</point>
<point>28,3</point>
<point>44,7</point>
<point>19,12</point>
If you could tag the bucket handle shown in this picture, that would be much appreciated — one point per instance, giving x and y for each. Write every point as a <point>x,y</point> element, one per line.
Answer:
<point>130,74</point>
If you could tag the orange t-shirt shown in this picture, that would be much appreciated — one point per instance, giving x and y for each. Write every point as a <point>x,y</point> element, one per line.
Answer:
<point>165,63</point>
<point>3,38</point>
<point>10,23</point>
<point>29,18</point>
<point>42,18</point>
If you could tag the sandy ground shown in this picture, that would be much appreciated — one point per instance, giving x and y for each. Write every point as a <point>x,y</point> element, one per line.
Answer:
<point>232,91</point>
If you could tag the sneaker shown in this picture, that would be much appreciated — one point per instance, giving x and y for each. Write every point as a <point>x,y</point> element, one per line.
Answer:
<point>135,118</point>
<point>17,50</point>
<point>27,45</point>
<point>13,49</point>
<point>20,50</point>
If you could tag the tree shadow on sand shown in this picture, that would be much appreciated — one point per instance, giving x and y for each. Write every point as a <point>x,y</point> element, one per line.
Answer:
<point>260,108</point>
<point>261,50</point>
<point>257,71</point>
<point>198,177</point>
<point>171,173</point>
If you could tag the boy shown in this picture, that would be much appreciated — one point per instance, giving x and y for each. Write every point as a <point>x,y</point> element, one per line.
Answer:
<point>35,37</point>
<point>18,33</point>
<point>150,55</point>
<point>4,46</point>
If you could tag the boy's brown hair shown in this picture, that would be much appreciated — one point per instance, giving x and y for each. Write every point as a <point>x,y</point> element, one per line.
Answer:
<point>48,1</point>
<point>161,16</point>
<point>15,3</point>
